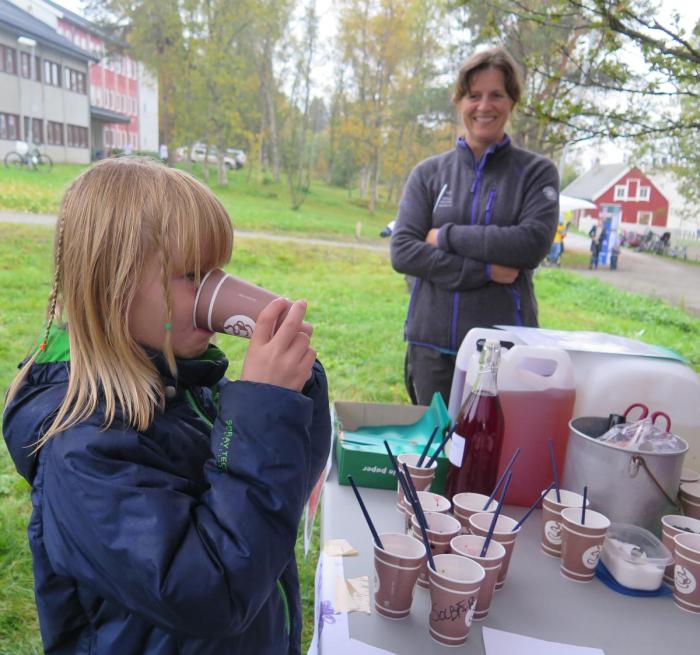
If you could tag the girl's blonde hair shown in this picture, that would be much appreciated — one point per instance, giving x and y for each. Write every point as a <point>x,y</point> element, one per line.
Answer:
<point>113,217</point>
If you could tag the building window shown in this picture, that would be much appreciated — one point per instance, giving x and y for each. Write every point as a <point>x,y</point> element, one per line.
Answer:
<point>52,73</point>
<point>644,218</point>
<point>25,65</point>
<point>37,130</point>
<point>76,136</point>
<point>8,60</point>
<point>9,127</point>
<point>643,193</point>
<point>75,81</point>
<point>620,192</point>
<point>54,133</point>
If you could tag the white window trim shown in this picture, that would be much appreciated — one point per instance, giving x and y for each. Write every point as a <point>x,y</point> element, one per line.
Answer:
<point>641,188</point>
<point>623,188</point>
<point>645,212</point>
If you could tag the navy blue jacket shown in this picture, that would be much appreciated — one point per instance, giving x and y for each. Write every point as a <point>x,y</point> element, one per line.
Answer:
<point>178,540</point>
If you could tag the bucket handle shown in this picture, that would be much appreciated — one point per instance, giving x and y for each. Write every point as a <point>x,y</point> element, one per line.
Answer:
<point>637,461</point>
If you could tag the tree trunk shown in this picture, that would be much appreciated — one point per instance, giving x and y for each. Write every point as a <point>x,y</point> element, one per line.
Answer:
<point>271,111</point>
<point>222,178</point>
<point>205,163</point>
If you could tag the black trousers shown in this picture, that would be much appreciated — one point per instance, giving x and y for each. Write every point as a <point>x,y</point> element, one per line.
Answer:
<point>427,371</point>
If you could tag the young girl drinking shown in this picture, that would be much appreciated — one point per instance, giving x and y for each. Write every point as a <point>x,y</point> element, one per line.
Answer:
<point>165,497</point>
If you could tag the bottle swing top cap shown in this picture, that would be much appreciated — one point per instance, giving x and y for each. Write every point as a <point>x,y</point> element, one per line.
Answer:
<point>490,355</point>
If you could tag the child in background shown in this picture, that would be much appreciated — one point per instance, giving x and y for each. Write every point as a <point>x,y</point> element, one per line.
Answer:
<point>166,498</point>
<point>557,248</point>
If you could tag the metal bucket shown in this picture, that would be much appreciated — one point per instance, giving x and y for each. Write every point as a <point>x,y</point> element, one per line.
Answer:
<point>626,486</point>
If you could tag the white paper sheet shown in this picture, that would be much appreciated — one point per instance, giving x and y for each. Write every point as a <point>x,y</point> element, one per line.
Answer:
<point>499,642</point>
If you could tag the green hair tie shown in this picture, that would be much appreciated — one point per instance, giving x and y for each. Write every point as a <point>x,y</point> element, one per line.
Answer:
<point>168,326</point>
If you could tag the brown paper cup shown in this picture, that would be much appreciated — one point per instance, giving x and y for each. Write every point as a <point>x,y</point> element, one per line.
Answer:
<point>550,539</point>
<point>686,588</point>
<point>396,569</point>
<point>688,475</point>
<point>690,499</point>
<point>454,589</point>
<point>468,503</point>
<point>469,545</point>
<point>422,477</point>
<point>430,502</point>
<point>229,305</point>
<point>503,533</point>
<point>581,544</point>
<point>671,525</point>
<point>441,529</point>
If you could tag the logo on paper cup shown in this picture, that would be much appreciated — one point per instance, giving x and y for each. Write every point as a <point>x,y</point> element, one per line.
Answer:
<point>239,326</point>
<point>377,585</point>
<point>552,530</point>
<point>470,611</point>
<point>591,556</point>
<point>684,580</point>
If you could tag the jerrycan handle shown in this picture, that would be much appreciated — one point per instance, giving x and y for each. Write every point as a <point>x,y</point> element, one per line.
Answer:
<point>469,344</point>
<point>538,365</point>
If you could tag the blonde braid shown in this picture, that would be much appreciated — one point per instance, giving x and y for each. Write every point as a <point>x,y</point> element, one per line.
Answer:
<point>50,314</point>
<point>53,297</point>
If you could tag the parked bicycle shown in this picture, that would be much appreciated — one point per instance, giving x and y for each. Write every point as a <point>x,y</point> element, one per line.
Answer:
<point>32,158</point>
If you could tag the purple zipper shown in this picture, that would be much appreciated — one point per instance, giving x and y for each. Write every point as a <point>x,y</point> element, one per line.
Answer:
<point>489,205</point>
<point>518,310</point>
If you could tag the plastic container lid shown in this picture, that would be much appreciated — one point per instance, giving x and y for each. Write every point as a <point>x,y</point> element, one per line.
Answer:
<point>635,557</point>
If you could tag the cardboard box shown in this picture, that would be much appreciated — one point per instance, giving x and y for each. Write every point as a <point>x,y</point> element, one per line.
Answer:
<point>365,457</point>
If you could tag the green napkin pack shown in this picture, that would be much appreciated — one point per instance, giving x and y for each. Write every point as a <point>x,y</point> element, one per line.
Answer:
<point>360,429</point>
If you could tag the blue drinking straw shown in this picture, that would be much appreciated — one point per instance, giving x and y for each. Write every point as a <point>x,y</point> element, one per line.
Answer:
<point>496,514</point>
<point>554,468</point>
<point>427,447</point>
<point>377,540</point>
<point>399,475</point>
<point>583,509</point>
<point>440,448</point>
<point>503,477</point>
<point>420,516</point>
<point>532,507</point>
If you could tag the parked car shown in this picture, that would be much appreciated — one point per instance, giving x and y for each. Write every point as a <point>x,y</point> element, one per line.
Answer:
<point>238,155</point>
<point>233,159</point>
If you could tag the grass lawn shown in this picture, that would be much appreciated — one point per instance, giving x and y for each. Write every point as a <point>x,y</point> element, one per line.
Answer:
<point>328,213</point>
<point>357,304</point>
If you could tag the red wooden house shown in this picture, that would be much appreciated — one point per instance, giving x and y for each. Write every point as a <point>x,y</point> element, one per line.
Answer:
<point>624,186</point>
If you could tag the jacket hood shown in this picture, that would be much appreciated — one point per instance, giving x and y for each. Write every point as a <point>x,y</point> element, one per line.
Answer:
<point>37,401</point>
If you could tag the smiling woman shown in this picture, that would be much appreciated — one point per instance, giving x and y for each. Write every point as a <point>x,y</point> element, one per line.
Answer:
<point>473,224</point>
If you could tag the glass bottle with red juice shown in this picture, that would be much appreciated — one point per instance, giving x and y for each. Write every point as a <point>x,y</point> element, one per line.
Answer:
<point>477,439</point>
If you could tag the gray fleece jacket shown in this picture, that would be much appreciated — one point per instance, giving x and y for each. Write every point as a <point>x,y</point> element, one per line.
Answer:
<point>502,209</point>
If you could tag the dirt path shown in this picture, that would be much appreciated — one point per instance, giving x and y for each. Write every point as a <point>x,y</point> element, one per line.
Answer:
<point>677,283</point>
<point>47,219</point>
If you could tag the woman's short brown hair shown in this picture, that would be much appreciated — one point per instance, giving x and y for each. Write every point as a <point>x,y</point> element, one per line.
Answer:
<point>491,58</point>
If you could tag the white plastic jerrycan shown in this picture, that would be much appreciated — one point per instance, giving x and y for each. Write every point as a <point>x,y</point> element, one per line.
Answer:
<point>537,390</point>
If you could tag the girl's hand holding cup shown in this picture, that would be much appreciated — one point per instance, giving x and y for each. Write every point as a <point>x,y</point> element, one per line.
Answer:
<point>281,356</point>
